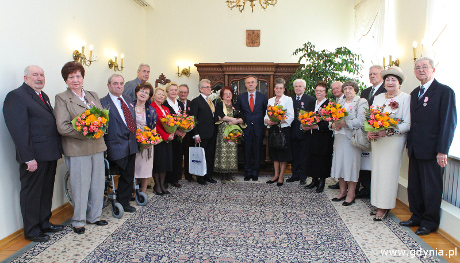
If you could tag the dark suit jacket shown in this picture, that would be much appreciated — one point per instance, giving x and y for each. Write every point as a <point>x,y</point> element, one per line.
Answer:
<point>130,86</point>
<point>296,131</point>
<point>32,125</point>
<point>365,93</point>
<point>220,110</point>
<point>321,140</point>
<point>433,121</point>
<point>253,120</point>
<point>187,110</point>
<point>203,116</point>
<point>171,110</point>
<point>119,140</point>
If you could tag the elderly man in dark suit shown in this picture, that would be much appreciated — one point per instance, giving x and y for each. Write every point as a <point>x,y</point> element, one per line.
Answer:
<point>433,121</point>
<point>369,94</point>
<point>204,132</point>
<point>32,125</point>
<point>253,106</point>
<point>298,136</point>
<point>143,74</point>
<point>121,138</point>
<point>188,140</point>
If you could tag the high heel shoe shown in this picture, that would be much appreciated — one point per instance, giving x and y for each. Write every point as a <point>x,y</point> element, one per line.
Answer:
<point>271,182</point>
<point>345,203</point>
<point>335,199</point>
<point>279,184</point>
<point>380,218</point>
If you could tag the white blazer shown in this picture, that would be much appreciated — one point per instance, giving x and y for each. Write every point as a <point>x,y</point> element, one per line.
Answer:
<point>288,106</point>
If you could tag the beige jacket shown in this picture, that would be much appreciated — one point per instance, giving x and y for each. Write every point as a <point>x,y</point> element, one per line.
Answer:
<point>68,106</point>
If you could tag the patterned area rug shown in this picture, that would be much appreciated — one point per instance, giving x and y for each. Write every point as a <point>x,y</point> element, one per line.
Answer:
<point>235,222</point>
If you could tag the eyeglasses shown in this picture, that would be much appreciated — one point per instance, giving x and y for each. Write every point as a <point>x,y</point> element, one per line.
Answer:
<point>424,68</point>
<point>145,91</point>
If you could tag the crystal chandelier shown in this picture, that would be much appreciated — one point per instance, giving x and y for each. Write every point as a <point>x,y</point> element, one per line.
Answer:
<point>241,3</point>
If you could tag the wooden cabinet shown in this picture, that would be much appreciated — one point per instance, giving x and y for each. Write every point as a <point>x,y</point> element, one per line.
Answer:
<point>233,74</point>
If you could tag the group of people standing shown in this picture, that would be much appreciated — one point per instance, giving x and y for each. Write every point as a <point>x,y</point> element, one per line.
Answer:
<point>42,134</point>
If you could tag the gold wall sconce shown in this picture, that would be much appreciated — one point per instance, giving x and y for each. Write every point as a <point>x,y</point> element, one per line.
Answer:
<point>81,58</point>
<point>391,62</point>
<point>114,65</point>
<point>414,47</point>
<point>183,72</point>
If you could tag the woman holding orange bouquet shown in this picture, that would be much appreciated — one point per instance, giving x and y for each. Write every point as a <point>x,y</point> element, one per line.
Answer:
<point>145,116</point>
<point>175,106</point>
<point>388,144</point>
<point>226,156</point>
<point>278,156</point>
<point>84,157</point>
<point>162,160</point>
<point>319,141</point>
<point>346,160</point>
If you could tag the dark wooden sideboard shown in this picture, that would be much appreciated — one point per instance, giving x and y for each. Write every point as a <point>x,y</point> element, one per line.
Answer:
<point>233,74</point>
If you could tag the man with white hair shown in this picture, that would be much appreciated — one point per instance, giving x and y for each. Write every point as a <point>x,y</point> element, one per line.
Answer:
<point>298,136</point>
<point>433,122</point>
<point>30,120</point>
<point>143,74</point>
<point>336,88</point>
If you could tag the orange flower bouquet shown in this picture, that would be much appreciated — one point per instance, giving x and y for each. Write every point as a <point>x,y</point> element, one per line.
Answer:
<point>170,123</point>
<point>308,118</point>
<point>333,112</point>
<point>186,122</point>
<point>276,113</point>
<point>92,123</point>
<point>232,133</point>
<point>377,120</point>
<point>146,138</point>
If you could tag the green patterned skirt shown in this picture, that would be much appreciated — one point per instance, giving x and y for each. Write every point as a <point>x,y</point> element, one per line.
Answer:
<point>226,158</point>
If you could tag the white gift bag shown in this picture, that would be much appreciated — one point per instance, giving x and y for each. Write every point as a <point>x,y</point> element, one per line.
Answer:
<point>197,161</point>
<point>366,161</point>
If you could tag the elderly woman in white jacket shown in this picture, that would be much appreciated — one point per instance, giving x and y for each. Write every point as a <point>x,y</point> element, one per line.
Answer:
<point>346,160</point>
<point>280,157</point>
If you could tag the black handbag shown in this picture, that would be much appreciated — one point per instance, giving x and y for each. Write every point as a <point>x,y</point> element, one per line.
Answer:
<point>277,139</point>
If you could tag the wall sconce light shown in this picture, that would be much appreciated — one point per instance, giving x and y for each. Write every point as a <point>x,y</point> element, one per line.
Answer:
<point>114,64</point>
<point>184,72</point>
<point>391,63</point>
<point>81,58</point>
<point>414,46</point>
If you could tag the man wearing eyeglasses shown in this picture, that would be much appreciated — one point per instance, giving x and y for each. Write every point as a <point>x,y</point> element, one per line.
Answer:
<point>433,122</point>
<point>369,94</point>
<point>143,73</point>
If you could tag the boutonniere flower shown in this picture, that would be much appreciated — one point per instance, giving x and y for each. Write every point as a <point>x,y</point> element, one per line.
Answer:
<point>426,99</point>
<point>131,105</point>
<point>393,104</point>
<point>301,103</point>
<point>233,108</point>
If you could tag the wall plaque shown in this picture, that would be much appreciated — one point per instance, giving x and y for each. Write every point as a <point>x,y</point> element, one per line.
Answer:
<point>252,38</point>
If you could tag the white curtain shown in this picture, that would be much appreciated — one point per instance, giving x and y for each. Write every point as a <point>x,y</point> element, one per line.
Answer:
<point>442,30</point>
<point>369,30</point>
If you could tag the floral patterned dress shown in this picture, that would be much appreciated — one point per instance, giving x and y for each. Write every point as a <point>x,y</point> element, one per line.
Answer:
<point>226,158</point>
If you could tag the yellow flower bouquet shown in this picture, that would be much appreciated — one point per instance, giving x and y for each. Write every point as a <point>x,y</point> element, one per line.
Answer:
<point>333,112</point>
<point>92,123</point>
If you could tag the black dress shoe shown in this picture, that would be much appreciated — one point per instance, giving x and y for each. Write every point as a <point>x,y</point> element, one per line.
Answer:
<point>166,192</point>
<point>129,209</point>
<point>302,182</point>
<point>79,230</point>
<point>40,237</point>
<point>290,180</point>
<point>279,184</point>
<point>209,179</point>
<point>362,195</point>
<point>100,223</point>
<point>178,185</point>
<point>247,178</point>
<point>322,183</point>
<point>422,231</point>
<point>334,186</point>
<point>201,181</point>
<point>313,184</point>
<point>157,193</point>
<point>53,228</point>
<point>271,182</point>
<point>255,178</point>
<point>345,203</point>
<point>408,223</point>
<point>335,199</point>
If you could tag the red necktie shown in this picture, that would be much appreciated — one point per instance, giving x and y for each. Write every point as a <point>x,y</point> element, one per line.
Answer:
<point>40,95</point>
<point>251,103</point>
<point>128,117</point>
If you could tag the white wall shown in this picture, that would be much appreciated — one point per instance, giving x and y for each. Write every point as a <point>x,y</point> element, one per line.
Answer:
<point>207,31</point>
<point>45,33</point>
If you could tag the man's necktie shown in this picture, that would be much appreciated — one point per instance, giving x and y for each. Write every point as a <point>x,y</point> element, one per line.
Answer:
<point>421,92</point>
<point>128,117</point>
<point>40,95</point>
<point>251,103</point>
<point>298,98</point>
<point>371,93</point>
<point>211,105</point>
